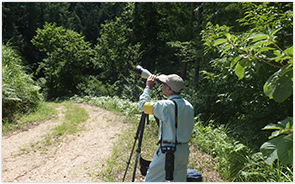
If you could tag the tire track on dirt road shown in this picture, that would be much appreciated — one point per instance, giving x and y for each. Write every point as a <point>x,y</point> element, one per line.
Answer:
<point>75,159</point>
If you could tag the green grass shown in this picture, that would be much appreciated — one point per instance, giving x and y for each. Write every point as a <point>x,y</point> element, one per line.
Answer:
<point>236,161</point>
<point>42,112</point>
<point>74,116</point>
<point>72,123</point>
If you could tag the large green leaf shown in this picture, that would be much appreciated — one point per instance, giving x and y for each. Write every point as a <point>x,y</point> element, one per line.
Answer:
<point>265,49</point>
<point>280,147</point>
<point>280,85</point>
<point>280,125</point>
<point>285,149</point>
<point>284,86</point>
<point>269,149</point>
<point>235,61</point>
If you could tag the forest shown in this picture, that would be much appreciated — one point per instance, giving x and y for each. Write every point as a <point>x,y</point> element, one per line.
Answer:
<point>236,59</point>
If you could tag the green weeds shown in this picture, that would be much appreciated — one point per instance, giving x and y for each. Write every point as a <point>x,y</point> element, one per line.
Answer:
<point>113,104</point>
<point>236,161</point>
<point>41,112</point>
<point>74,116</point>
<point>72,123</point>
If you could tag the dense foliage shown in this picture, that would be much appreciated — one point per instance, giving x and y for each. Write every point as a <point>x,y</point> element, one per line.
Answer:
<point>236,59</point>
<point>20,93</point>
<point>67,58</point>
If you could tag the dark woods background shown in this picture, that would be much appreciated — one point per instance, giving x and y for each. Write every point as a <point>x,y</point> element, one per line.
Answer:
<point>91,49</point>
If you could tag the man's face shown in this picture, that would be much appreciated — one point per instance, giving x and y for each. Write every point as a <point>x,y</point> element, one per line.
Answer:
<point>166,89</point>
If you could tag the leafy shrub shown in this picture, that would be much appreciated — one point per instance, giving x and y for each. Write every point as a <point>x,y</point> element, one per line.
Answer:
<point>236,161</point>
<point>93,87</point>
<point>68,55</point>
<point>20,93</point>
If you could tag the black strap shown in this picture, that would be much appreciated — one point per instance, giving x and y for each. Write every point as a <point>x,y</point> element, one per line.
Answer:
<point>176,121</point>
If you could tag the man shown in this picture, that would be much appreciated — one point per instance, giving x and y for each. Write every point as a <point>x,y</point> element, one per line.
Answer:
<point>164,110</point>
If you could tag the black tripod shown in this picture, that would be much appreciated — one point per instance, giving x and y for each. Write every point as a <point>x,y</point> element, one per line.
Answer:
<point>138,136</point>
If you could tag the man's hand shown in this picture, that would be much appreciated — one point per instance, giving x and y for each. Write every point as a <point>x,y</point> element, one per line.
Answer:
<point>150,81</point>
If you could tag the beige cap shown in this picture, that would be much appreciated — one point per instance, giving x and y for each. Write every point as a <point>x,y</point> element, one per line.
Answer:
<point>174,81</point>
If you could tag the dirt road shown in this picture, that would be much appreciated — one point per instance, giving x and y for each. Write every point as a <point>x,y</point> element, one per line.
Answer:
<point>75,159</point>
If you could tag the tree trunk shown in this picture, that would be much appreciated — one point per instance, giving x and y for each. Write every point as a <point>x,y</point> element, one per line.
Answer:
<point>184,65</point>
<point>197,61</point>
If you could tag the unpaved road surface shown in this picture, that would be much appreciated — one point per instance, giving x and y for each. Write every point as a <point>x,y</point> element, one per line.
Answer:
<point>74,159</point>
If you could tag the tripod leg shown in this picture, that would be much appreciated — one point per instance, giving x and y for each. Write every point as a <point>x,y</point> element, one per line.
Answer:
<point>139,148</point>
<point>139,129</point>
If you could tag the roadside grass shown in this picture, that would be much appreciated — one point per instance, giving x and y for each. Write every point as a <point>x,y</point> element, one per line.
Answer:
<point>72,123</point>
<point>42,112</point>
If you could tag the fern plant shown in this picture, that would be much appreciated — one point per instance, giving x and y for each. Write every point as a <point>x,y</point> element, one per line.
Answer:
<point>20,93</point>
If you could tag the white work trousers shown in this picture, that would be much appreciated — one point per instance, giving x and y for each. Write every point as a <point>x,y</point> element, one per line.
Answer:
<point>156,172</point>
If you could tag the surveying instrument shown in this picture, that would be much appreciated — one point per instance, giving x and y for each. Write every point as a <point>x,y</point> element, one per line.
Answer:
<point>140,129</point>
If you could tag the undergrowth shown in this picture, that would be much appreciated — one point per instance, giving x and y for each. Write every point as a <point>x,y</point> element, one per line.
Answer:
<point>236,161</point>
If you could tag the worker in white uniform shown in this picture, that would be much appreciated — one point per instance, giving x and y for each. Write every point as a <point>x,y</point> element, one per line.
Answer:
<point>164,110</point>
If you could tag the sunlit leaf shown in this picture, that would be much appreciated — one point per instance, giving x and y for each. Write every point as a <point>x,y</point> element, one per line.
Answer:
<point>235,60</point>
<point>289,51</point>
<point>228,36</point>
<point>273,127</point>
<point>258,37</point>
<point>219,41</point>
<point>265,49</point>
<point>239,70</point>
<point>274,32</point>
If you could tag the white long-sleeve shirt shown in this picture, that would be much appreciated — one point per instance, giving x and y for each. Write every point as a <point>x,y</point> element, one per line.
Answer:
<point>164,110</point>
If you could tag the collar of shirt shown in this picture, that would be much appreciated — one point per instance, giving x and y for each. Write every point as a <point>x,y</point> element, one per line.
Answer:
<point>174,96</point>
